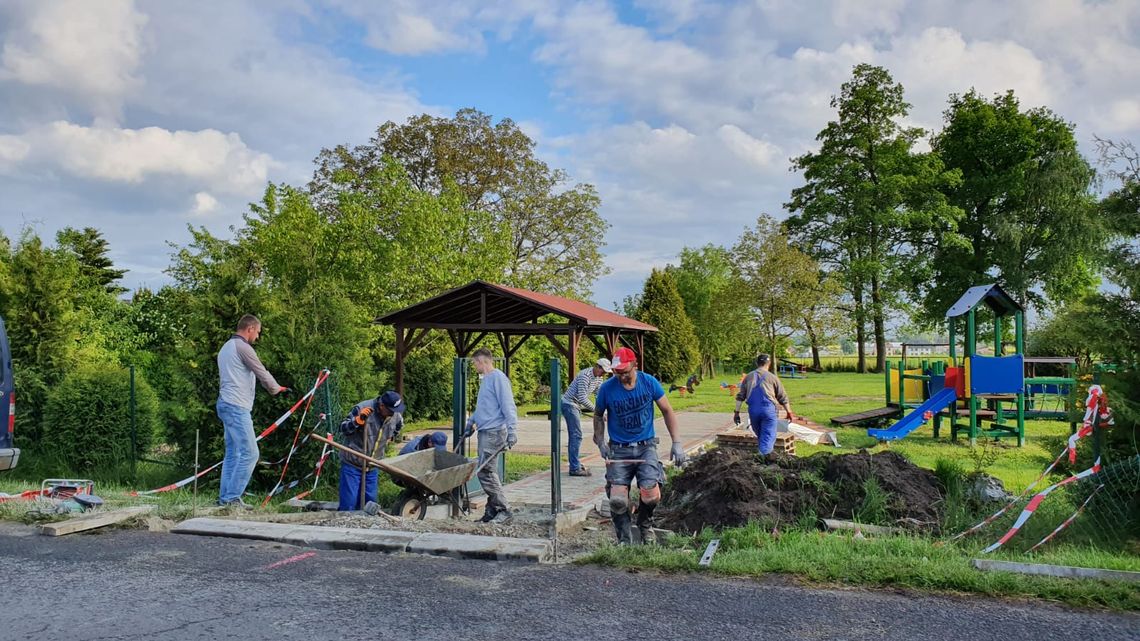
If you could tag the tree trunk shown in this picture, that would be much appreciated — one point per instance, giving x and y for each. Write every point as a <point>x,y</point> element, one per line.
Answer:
<point>860,329</point>
<point>814,340</point>
<point>879,320</point>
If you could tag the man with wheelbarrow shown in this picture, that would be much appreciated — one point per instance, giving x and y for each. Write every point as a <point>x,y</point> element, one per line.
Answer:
<point>368,428</point>
<point>625,403</point>
<point>496,420</point>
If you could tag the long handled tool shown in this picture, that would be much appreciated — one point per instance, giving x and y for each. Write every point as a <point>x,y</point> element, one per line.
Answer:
<point>345,448</point>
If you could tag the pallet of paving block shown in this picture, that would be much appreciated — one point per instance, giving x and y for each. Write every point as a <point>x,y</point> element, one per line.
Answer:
<point>786,443</point>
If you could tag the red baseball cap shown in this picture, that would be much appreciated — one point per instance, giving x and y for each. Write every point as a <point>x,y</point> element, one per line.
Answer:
<point>623,359</point>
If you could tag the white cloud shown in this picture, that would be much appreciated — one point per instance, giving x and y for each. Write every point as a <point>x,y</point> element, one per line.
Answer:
<point>204,203</point>
<point>91,49</point>
<point>209,158</point>
<point>13,149</point>
<point>408,28</point>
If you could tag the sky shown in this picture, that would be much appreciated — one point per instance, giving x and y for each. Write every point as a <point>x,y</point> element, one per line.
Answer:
<point>143,117</point>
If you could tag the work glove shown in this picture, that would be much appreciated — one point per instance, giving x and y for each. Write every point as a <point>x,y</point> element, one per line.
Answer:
<point>362,417</point>
<point>604,449</point>
<point>469,430</point>
<point>677,454</point>
<point>736,418</point>
<point>512,438</point>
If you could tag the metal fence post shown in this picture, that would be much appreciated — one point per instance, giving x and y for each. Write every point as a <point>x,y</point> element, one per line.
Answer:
<point>555,437</point>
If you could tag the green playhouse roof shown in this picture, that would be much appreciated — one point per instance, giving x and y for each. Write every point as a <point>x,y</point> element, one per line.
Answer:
<point>993,296</point>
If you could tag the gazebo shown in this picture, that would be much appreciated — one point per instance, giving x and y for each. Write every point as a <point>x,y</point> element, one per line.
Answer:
<point>478,309</point>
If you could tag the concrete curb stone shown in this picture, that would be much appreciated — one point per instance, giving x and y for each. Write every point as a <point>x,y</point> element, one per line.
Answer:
<point>460,546</point>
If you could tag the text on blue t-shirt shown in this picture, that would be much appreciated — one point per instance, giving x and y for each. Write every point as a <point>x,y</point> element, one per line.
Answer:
<point>629,413</point>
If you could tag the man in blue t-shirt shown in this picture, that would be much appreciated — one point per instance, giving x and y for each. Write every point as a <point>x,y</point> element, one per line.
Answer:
<point>626,402</point>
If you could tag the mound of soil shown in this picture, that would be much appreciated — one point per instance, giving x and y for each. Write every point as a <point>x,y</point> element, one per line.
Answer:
<point>727,487</point>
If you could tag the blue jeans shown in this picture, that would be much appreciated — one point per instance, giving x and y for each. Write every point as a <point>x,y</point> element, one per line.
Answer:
<point>574,431</point>
<point>350,487</point>
<point>241,451</point>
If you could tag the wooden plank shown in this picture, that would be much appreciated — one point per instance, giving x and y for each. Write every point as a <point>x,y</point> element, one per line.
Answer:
<point>1063,571</point>
<point>966,412</point>
<point>92,521</point>
<point>312,505</point>
<point>854,419</point>
<point>837,524</point>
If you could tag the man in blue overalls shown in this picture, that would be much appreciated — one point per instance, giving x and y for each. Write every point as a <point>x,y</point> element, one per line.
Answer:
<point>627,401</point>
<point>438,440</point>
<point>763,392</point>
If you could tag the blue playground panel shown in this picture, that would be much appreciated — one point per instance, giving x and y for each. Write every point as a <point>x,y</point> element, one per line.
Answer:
<point>997,374</point>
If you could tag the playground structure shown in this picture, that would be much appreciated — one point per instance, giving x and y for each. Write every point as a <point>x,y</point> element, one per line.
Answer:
<point>788,369</point>
<point>976,389</point>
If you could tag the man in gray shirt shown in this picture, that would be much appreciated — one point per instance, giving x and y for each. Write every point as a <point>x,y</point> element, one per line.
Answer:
<point>577,400</point>
<point>240,370</point>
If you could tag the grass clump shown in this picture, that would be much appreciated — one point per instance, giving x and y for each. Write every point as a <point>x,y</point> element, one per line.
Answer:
<point>891,561</point>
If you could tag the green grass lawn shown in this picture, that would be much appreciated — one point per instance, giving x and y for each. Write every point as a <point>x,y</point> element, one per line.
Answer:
<point>898,561</point>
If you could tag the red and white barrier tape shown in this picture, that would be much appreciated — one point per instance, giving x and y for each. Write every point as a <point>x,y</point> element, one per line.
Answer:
<point>26,495</point>
<point>1036,501</point>
<point>292,484</point>
<point>1095,403</point>
<point>266,432</point>
<point>1067,521</point>
<point>289,457</point>
<point>320,466</point>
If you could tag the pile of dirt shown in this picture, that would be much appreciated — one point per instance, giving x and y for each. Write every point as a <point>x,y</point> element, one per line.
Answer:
<point>727,487</point>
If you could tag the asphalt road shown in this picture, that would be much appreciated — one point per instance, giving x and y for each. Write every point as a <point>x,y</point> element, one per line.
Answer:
<point>138,585</point>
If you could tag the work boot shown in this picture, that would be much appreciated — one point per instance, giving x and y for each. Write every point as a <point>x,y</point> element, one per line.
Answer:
<point>489,514</point>
<point>622,529</point>
<point>645,523</point>
<point>502,517</point>
<point>582,471</point>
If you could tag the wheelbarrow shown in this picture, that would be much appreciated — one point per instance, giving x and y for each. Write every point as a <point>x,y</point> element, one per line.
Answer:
<point>429,477</point>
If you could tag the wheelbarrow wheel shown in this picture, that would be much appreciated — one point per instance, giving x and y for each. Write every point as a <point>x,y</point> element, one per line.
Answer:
<point>410,505</point>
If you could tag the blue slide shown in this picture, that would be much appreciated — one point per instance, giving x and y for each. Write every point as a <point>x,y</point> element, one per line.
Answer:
<point>944,398</point>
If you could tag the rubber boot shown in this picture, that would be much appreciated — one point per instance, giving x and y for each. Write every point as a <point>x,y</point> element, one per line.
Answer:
<point>645,522</point>
<point>622,528</point>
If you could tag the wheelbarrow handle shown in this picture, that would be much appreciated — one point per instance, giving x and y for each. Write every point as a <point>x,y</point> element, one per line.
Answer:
<point>489,459</point>
<point>343,448</point>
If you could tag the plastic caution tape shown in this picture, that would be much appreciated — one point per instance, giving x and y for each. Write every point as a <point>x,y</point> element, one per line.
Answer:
<point>1095,404</point>
<point>1067,521</point>
<point>1036,501</point>
<point>266,432</point>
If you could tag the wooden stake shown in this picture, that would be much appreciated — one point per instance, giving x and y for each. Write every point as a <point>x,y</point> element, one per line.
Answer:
<point>92,521</point>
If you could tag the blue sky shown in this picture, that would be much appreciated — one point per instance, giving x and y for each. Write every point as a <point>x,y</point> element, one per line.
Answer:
<point>141,117</point>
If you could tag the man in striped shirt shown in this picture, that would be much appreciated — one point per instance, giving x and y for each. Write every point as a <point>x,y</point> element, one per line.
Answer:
<point>577,400</point>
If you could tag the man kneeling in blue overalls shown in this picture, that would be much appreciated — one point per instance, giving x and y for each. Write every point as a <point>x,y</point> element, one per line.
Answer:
<point>763,391</point>
<point>438,440</point>
<point>368,428</point>
<point>627,401</point>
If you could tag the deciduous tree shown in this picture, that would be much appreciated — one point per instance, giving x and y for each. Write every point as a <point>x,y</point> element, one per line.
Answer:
<point>1030,217</point>
<point>556,233</point>
<point>869,202</point>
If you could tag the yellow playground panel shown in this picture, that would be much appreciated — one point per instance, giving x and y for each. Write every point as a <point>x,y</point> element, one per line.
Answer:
<point>914,388</point>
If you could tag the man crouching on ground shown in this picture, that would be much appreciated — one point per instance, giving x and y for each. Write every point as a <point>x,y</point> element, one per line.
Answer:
<point>627,400</point>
